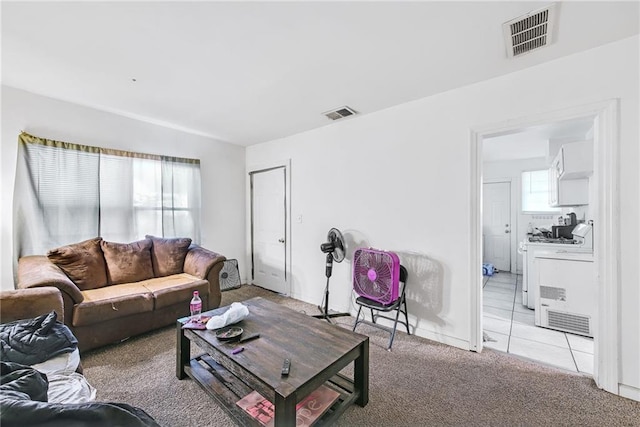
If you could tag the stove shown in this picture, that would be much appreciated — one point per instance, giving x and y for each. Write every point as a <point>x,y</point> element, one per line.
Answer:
<point>582,242</point>
<point>561,240</point>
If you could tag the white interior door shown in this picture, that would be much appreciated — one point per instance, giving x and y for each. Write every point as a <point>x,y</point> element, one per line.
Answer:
<point>496,224</point>
<point>268,220</point>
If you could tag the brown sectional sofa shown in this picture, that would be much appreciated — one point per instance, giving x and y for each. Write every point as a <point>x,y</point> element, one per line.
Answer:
<point>112,291</point>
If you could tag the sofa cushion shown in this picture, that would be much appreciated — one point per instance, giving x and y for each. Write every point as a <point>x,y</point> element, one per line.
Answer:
<point>82,262</point>
<point>168,254</point>
<point>128,262</point>
<point>175,289</point>
<point>110,302</point>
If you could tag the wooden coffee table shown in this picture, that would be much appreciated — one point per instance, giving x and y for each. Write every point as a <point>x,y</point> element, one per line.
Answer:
<point>317,349</point>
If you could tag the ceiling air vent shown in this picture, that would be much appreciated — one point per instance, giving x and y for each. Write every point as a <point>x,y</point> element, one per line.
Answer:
<point>531,31</point>
<point>340,113</point>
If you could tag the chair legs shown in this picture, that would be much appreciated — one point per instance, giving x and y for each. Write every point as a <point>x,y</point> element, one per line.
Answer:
<point>406,318</point>
<point>395,324</point>
<point>401,307</point>
<point>357,317</point>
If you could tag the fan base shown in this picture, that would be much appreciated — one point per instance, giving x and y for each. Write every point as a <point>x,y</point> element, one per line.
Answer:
<point>328,316</point>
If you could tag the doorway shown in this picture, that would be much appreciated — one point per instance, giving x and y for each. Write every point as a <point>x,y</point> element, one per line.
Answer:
<point>269,230</point>
<point>605,115</point>
<point>510,323</point>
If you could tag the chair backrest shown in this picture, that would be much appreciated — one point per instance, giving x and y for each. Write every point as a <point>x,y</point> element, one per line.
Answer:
<point>404,274</point>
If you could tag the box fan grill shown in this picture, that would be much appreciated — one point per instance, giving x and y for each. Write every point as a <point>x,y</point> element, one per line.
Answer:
<point>376,275</point>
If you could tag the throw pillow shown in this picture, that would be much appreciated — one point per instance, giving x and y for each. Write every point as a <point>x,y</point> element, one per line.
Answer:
<point>128,262</point>
<point>83,263</point>
<point>168,254</point>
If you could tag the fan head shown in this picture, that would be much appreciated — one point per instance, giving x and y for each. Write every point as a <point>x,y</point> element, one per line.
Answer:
<point>376,275</point>
<point>334,245</point>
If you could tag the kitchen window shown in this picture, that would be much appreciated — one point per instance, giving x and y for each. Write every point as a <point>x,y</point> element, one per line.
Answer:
<point>535,192</point>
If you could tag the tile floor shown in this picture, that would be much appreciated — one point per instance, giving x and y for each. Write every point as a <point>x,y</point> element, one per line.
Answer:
<point>512,326</point>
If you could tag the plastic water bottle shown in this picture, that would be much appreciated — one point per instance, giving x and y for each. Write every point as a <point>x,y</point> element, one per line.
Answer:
<point>195,306</point>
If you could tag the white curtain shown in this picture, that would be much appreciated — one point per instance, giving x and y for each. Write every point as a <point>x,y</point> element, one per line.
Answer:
<point>180,198</point>
<point>56,197</point>
<point>66,193</point>
<point>116,198</point>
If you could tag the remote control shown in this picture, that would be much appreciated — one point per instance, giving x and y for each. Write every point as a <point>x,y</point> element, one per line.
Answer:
<point>286,366</point>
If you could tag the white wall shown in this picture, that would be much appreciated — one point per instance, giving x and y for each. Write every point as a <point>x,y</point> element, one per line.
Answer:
<point>222,164</point>
<point>399,179</point>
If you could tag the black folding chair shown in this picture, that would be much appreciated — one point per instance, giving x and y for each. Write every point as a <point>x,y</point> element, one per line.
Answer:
<point>399,306</point>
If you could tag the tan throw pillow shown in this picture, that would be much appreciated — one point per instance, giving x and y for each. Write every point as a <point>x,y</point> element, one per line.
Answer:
<point>128,262</point>
<point>83,262</point>
<point>168,254</point>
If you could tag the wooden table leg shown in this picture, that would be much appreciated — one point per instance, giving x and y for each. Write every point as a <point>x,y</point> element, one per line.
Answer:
<point>183,351</point>
<point>361,374</point>
<point>285,415</point>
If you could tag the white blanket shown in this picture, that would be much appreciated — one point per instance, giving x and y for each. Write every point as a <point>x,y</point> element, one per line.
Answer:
<point>65,384</point>
<point>71,388</point>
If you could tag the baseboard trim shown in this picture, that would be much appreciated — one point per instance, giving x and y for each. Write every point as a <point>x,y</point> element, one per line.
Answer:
<point>420,332</point>
<point>443,339</point>
<point>629,392</point>
<point>423,333</point>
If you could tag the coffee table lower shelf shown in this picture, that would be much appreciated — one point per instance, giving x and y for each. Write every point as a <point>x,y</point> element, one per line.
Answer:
<point>227,389</point>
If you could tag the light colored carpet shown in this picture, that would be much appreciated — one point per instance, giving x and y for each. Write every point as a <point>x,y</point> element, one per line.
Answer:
<point>419,383</point>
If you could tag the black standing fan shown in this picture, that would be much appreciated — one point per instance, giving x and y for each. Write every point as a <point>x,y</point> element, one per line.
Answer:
<point>229,277</point>
<point>335,250</point>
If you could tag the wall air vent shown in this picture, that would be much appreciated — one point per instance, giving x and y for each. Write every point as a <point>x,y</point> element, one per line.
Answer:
<point>553,293</point>
<point>531,31</point>
<point>339,113</point>
<point>570,322</point>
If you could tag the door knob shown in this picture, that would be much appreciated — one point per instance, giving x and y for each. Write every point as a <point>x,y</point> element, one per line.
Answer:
<point>281,240</point>
<point>506,231</point>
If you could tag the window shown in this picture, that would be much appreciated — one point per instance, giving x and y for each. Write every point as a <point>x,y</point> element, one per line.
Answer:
<point>66,193</point>
<point>535,192</point>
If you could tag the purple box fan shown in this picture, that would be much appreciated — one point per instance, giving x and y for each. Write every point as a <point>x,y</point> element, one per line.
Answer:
<point>376,275</point>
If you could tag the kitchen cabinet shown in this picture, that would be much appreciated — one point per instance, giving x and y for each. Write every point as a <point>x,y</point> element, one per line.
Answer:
<point>575,160</point>
<point>567,192</point>
<point>568,175</point>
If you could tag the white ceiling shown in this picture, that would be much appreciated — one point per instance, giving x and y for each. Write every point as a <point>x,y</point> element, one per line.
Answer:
<point>249,72</point>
